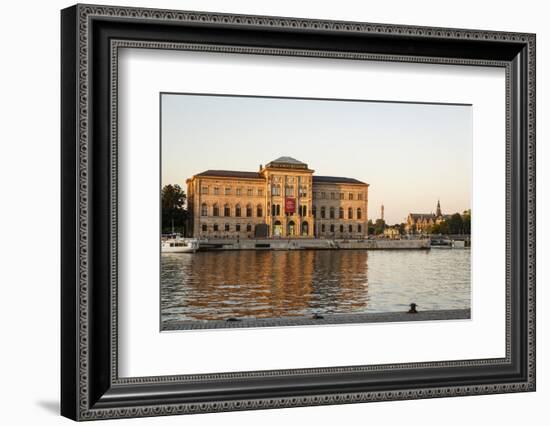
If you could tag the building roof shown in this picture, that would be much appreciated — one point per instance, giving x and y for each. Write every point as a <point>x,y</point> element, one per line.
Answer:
<point>231,173</point>
<point>335,179</point>
<point>416,216</point>
<point>288,160</point>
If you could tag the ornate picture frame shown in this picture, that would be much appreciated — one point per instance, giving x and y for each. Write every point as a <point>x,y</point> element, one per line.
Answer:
<point>90,384</point>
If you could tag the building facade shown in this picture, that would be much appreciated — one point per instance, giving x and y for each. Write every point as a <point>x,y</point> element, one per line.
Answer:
<point>421,223</point>
<point>284,199</point>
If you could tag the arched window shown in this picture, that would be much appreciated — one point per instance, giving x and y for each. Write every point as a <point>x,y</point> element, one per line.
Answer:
<point>249,210</point>
<point>341,213</point>
<point>215,227</point>
<point>341,228</point>
<point>350,213</point>
<point>332,212</point>
<point>359,213</point>
<point>259,211</point>
<point>350,229</point>
<point>226,210</point>
<point>323,212</point>
<point>358,228</point>
<point>216,210</point>
<point>204,209</point>
<point>278,210</point>
<point>238,210</point>
<point>248,227</point>
<point>227,227</point>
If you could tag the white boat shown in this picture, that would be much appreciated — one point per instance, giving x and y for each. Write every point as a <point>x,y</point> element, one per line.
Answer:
<point>179,245</point>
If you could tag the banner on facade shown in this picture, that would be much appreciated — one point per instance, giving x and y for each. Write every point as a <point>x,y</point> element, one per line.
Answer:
<point>290,205</point>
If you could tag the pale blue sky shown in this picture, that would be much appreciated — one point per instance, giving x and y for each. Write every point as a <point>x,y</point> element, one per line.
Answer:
<point>410,154</point>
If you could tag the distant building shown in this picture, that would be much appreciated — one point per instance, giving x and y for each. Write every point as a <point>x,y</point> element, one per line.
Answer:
<point>392,232</point>
<point>282,199</point>
<point>420,223</point>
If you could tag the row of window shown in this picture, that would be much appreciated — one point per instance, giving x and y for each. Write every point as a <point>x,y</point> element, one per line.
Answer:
<point>227,210</point>
<point>205,190</point>
<point>342,228</point>
<point>337,196</point>
<point>331,228</point>
<point>226,227</point>
<point>332,213</point>
<point>289,190</point>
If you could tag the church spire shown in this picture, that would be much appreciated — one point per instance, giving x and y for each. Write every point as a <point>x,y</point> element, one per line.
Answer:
<point>438,210</point>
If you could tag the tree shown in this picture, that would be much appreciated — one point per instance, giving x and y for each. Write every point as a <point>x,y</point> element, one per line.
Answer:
<point>174,213</point>
<point>379,226</point>
<point>455,224</point>
<point>402,228</point>
<point>370,227</point>
<point>467,221</point>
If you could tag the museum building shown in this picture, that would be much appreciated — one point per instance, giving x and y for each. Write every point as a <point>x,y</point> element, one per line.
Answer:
<point>284,199</point>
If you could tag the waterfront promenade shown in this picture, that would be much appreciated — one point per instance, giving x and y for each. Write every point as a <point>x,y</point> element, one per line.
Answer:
<point>312,244</point>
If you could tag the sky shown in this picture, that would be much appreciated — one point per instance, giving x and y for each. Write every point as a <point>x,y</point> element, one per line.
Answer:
<point>411,154</point>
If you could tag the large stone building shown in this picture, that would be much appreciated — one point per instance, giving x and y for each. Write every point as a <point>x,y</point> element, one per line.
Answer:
<point>282,199</point>
<point>421,223</point>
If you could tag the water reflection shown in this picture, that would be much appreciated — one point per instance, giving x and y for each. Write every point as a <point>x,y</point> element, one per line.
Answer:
<point>272,284</point>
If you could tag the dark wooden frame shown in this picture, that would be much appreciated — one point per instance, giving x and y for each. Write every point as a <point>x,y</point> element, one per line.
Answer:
<point>90,386</point>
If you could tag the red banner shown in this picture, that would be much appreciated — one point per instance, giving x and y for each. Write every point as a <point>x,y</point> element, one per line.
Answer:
<point>290,205</point>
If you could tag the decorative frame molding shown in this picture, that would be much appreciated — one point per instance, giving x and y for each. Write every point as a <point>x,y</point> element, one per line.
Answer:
<point>91,36</point>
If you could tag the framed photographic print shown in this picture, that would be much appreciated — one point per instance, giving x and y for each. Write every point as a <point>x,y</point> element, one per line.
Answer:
<point>263,212</point>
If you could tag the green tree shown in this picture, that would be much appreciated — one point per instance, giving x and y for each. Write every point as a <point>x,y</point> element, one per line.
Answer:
<point>455,224</point>
<point>435,229</point>
<point>379,226</point>
<point>370,227</point>
<point>467,221</point>
<point>174,213</point>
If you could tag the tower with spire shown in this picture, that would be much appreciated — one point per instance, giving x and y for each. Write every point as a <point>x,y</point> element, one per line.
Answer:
<point>382,212</point>
<point>438,210</point>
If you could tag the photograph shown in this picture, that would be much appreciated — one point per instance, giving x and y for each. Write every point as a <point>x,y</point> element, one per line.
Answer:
<point>301,211</point>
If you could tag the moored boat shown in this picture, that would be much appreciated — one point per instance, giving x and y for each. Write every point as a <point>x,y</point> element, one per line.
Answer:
<point>179,245</point>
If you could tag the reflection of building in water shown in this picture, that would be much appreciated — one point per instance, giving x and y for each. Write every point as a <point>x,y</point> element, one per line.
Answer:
<point>282,199</point>
<point>268,284</point>
<point>422,222</point>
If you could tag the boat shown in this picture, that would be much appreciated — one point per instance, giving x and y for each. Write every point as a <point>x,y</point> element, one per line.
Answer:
<point>179,245</point>
<point>441,243</point>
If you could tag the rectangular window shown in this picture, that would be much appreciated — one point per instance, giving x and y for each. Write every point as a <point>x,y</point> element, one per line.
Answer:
<point>227,227</point>
<point>275,190</point>
<point>289,190</point>
<point>351,195</point>
<point>332,196</point>
<point>238,191</point>
<point>314,195</point>
<point>323,227</point>
<point>250,192</point>
<point>238,227</point>
<point>303,191</point>
<point>216,227</point>
<point>228,191</point>
<point>331,228</point>
<point>260,192</point>
<point>341,195</point>
<point>204,190</point>
<point>323,195</point>
<point>360,196</point>
<point>216,190</point>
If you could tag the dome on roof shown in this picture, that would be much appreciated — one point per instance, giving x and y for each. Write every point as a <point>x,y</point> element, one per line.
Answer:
<point>287,160</point>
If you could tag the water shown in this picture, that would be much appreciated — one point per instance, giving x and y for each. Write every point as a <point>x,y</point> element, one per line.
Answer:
<point>273,284</point>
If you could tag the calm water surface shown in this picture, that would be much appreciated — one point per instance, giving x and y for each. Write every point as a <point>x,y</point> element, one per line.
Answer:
<point>267,284</point>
